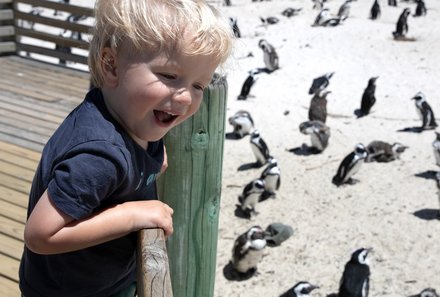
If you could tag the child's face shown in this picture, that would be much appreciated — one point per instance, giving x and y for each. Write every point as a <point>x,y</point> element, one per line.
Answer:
<point>154,94</point>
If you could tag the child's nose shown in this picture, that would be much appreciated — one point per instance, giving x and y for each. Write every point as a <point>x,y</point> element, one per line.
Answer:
<point>182,96</point>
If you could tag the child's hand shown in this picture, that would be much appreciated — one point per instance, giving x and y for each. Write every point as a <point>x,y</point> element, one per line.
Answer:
<point>151,214</point>
<point>165,160</point>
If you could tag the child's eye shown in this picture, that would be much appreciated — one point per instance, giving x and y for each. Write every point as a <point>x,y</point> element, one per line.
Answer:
<point>167,76</point>
<point>199,87</point>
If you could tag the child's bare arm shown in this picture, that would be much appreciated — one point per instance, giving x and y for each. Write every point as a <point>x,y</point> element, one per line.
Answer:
<point>50,231</point>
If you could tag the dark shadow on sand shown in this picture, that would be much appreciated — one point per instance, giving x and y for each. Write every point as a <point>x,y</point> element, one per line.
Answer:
<point>429,174</point>
<point>232,136</point>
<point>358,113</point>
<point>428,214</point>
<point>233,275</point>
<point>248,166</point>
<point>238,212</point>
<point>411,129</point>
<point>304,150</point>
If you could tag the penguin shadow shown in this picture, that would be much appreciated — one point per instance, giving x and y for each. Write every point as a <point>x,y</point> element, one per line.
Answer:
<point>359,114</point>
<point>233,275</point>
<point>238,212</point>
<point>411,129</point>
<point>233,136</point>
<point>404,38</point>
<point>429,174</point>
<point>304,150</point>
<point>248,166</point>
<point>427,214</point>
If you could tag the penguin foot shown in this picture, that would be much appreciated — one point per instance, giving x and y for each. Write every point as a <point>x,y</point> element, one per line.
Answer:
<point>352,181</point>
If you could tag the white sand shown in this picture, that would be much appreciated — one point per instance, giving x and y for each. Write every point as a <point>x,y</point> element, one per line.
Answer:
<point>331,222</point>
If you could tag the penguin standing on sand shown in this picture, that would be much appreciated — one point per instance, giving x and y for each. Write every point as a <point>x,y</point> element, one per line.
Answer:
<point>325,19</point>
<point>344,10</point>
<point>425,111</point>
<point>380,151</point>
<point>234,26</point>
<point>319,134</point>
<point>392,2</point>
<point>320,83</point>
<point>259,148</point>
<point>318,4</point>
<point>420,8</point>
<point>368,97</point>
<point>318,106</point>
<point>402,24</point>
<point>428,292</point>
<point>436,147</point>
<point>350,165</point>
<point>270,56</point>
<point>375,10</point>
<point>301,289</point>
<point>242,122</point>
<point>251,79</point>
<point>271,176</point>
<point>248,250</point>
<point>356,276</point>
<point>250,197</point>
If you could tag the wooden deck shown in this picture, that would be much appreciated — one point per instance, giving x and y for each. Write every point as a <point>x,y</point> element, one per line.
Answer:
<point>34,99</point>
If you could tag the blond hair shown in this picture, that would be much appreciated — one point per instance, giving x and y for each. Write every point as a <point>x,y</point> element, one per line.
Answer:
<point>159,26</point>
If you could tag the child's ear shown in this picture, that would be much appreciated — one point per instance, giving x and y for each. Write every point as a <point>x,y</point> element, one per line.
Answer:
<point>109,66</point>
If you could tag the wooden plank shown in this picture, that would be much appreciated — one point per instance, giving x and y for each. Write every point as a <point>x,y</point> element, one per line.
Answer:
<point>9,268</point>
<point>14,197</point>
<point>12,228</point>
<point>9,288</point>
<point>17,161</point>
<point>32,113</point>
<point>17,171</point>
<point>5,1</point>
<point>25,135</point>
<point>56,39</point>
<point>7,31</point>
<point>11,247</point>
<point>78,10</point>
<point>36,146</point>
<point>7,47</point>
<point>13,212</point>
<point>51,53</point>
<point>25,122</point>
<point>14,183</point>
<point>20,151</point>
<point>6,14</point>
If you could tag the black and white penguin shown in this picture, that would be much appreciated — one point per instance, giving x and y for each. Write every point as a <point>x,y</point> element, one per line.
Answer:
<point>318,4</point>
<point>242,123</point>
<point>270,55</point>
<point>319,134</point>
<point>318,106</point>
<point>402,24</point>
<point>325,19</point>
<point>350,165</point>
<point>344,10</point>
<point>436,147</point>
<point>320,83</point>
<point>250,80</point>
<point>289,12</point>
<point>300,289</point>
<point>425,111</point>
<point>375,10</point>
<point>428,292</point>
<point>392,2</point>
<point>248,250</point>
<point>368,97</point>
<point>380,151</point>
<point>259,148</point>
<point>420,8</point>
<point>251,196</point>
<point>356,276</point>
<point>234,26</point>
<point>271,176</point>
<point>269,20</point>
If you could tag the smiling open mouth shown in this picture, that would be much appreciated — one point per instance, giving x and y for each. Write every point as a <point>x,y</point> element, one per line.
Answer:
<point>164,117</point>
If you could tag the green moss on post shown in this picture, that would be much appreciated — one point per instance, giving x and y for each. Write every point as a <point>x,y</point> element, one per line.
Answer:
<point>192,187</point>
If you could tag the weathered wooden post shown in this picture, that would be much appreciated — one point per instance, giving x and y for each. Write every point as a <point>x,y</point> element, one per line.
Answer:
<point>191,186</point>
<point>7,31</point>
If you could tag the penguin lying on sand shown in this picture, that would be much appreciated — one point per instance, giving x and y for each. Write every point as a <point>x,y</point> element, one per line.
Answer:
<point>356,276</point>
<point>289,12</point>
<point>320,83</point>
<point>428,292</point>
<point>425,111</point>
<point>301,289</point>
<point>381,151</point>
<point>319,134</point>
<point>248,251</point>
<point>368,97</point>
<point>350,165</point>
<point>402,24</point>
<point>269,20</point>
<point>242,123</point>
<point>325,19</point>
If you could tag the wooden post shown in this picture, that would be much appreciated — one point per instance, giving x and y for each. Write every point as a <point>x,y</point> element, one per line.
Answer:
<point>191,186</point>
<point>7,31</point>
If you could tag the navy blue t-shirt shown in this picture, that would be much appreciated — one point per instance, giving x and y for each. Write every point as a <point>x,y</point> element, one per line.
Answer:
<point>90,163</point>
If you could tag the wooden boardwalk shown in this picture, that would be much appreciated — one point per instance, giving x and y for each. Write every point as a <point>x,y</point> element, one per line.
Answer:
<point>34,99</point>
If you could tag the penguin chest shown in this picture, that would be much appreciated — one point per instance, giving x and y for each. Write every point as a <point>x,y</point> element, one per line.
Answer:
<point>436,146</point>
<point>248,260</point>
<point>271,182</point>
<point>354,167</point>
<point>316,142</point>
<point>259,153</point>
<point>250,201</point>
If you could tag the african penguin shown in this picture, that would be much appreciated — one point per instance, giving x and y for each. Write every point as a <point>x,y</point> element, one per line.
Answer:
<point>269,20</point>
<point>251,79</point>
<point>319,134</point>
<point>300,289</point>
<point>428,292</point>
<point>344,10</point>
<point>271,176</point>
<point>234,26</point>
<point>425,111</point>
<point>289,12</point>
<point>356,276</point>
<point>436,147</point>
<point>402,24</point>
<point>248,250</point>
<point>375,10</point>
<point>242,123</point>
<point>259,148</point>
<point>270,55</point>
<point>320,83</point>
<point>392,2</point>
<point>318,106</point>
<point>420,8</point>
<point>250,197</point>
<point>381,151</point>
<point>368,97</point>
<point>350,165</point>
<point>318,4</point>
